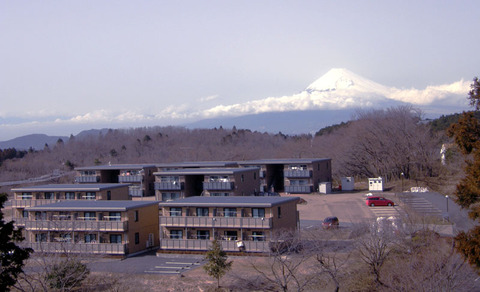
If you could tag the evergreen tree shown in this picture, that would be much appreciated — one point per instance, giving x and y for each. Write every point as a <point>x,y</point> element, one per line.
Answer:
<point>217,264</point>
<point>466,133</point>
<point>11,255</point>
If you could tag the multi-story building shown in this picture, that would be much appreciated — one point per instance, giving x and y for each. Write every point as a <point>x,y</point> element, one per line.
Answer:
<point>46,194</point>
<point>240,223</point>
<point>139,176</point>
<point>93,227</point>
<point>188,182</point>
<point>301,175</point>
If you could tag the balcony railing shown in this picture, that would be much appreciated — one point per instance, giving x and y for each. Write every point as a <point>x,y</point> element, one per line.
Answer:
<point>87,179</point>
<point>31,203</point>
<point>79,225</point>
<point>135,191</point>
<point>233,222</point>
<point>169,186</point>
<point>299,189</point>
<point>217,185</point>
<point>130,178</point>
<point>227,245</point>
<point>87,248</point>
<point>297,173</point>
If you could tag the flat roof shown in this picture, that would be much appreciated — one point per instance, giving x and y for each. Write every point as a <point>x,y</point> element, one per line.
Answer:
<point>230,201</point>
<point>70,187</point>
<point>115,167</point>
<point>91,205</point>
<point>197,164</point>
<point>283,161</point>
<point>205,171</point>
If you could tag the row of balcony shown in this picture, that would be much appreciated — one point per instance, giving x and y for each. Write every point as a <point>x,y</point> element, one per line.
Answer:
<point>70,247</point>
<point>121,178</point>
<point>297,173</point>
<point>210,185</point>
<point>307,189</point>
<point>74,225</point>
<point>227,245</point>
<point>32,203</point>
<point>215,222</point>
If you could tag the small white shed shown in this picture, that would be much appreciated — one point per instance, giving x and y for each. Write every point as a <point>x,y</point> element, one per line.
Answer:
<point>375,184</point>
<point>348,183</point>
<point>325,188</point>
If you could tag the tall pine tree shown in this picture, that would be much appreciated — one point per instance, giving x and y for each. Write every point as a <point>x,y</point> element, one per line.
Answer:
<point>217,264</point>
<point>11,255</point>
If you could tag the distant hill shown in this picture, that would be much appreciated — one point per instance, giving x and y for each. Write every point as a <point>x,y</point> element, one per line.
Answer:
<point>290,122</point>
<point>36,141</point>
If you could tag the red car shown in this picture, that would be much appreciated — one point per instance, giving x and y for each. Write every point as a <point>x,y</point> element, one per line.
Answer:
<point>378,201</point>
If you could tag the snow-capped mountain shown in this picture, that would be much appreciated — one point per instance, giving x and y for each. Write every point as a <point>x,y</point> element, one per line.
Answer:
<point>342,89</point>
<point>331,99</point>
<point>342,79</point>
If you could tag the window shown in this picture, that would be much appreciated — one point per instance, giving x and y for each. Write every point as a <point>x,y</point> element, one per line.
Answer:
<point>242,178</point>
<point>230,212</point>
<point>231,235</point>
<point>90,196</point>
<point>114,216</point>
<point>49,196</point>
<point>90,238</point>
<point>203,234</point>
<point>25,214</point>
<point>175,211</point>
<point>279,209</point>
<point>258,236</point>
<point>136,216</point>
<point>42,237</point>
<point>26,196</point>
<point>69,196</point>
<point>40,215</point>
<point>137,238</point>
<point>258,212</point>
<point>115,238</point>
<point>89,215</point>
<point>109,195</point>
<point>170,196</point>
<point>176,234</point>
<point>202,212</point>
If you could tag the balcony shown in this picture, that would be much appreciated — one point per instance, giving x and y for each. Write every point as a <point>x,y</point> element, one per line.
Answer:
<point>218,185</point>
<point>77,225</point>
<point>135,191</point>
<point>169,186</point>
<point>130,178</point>
<point>31,203</point>
<point>299,189</point>
<point>87,179</point>
<point>219,222</point>
<point>87,248</point>
<point>297,173</point>
<point>227,245</point>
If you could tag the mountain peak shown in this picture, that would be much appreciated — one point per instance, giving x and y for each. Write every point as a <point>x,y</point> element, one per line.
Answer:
<point>341,79</point>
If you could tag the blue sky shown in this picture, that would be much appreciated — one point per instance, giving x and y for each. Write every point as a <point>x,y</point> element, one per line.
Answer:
<point>70,65</point>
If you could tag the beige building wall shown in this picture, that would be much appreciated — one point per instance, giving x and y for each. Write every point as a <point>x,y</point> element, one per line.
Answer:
<point>146,226</point>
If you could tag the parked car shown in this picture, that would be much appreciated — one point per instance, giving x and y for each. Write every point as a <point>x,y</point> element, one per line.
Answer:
<point>330,222</point>
<point>378,201</point>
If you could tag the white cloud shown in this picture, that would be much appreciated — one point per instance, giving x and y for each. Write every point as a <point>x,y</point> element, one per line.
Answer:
<point>209,98</point>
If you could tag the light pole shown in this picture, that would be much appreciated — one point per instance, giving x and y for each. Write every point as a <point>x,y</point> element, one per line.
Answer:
<point>446,197</point>
<point>403,175</point>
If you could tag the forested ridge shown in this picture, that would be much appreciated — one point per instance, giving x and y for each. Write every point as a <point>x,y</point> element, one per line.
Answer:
<point>375,143</point>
